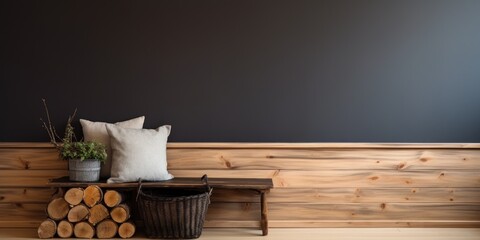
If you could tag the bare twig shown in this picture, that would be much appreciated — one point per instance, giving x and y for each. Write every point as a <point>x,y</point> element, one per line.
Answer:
<point>69,133</point>
<point>73,117</point>
<point>49,127</point>
<point>56,134</point>
<point>44,125</point>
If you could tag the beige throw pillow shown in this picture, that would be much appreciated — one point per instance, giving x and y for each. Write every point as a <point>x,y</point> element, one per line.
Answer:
<point>139,153</point>
<point>97,131</point>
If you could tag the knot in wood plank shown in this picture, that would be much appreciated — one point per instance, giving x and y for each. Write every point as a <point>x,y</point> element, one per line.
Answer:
<point>374,178</point>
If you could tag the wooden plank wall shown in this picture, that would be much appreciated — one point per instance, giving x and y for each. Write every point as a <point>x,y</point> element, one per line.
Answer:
<point>316,184</point>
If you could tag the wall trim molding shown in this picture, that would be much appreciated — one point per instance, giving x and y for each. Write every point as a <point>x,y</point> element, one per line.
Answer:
<point>260,145</point>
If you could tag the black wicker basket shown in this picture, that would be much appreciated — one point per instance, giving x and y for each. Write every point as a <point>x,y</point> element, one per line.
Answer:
<point>174,213</point>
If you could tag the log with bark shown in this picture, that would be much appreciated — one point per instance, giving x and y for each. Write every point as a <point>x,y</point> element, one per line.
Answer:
<point>82,213</point>
<point>74,196</point>
<point>65,229</point>
<point>107,229</point>
<point>92,195</point>
<point>78,213</point>
<point>47,229</point>
<point>57,209</point>
<point>126,230</point>
<point>120,213</point>
<point>97,214</point>
<point>84,230</point>
<point>113,198</point>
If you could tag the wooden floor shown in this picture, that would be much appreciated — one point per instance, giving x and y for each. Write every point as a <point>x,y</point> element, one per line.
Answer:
<point>309,233</point>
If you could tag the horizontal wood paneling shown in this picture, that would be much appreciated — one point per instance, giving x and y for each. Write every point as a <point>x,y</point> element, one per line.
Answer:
<point>31,159</point>
<point>377,178</point>
<point>302,159</point>
<point>25,195</point>
<point>288,211</point>
<point>374,223</point>
<point>375,211</point>
<point>316,184</point>
<point>345,178</point>
<point>225,174</point>
<point>304,224</point>
<point>353,195</point>
<point>347,211</point>
<point>19,211</point>
<point>291,179</point>
<point>28,178</point>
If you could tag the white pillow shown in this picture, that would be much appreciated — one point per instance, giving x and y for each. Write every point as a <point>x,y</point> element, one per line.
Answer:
<point>139,153</point>
<point>96,131</point>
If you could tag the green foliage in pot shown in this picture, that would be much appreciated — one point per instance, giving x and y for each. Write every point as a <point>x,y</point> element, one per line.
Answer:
<point>83,150</point>
<point>67,146</point>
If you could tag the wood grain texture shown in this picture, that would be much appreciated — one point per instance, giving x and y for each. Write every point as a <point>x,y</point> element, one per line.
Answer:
<point>23,211</point>
<point>28,178</point>
<point>21,223</point>
<point>127,229</point>
<point>295,211</point>
<point>291,178</point>
<point>302,159</point>
<point>353,195</point>
<point>33,159</point>
<point>33,223</point>
<point>344,224</point>
<point>376,178</point>
<point>345,178</point>
<point>47,229</point>
<point>406,223</point>
<point>57,209</point>
<point>25,195</point>
<point>177,182</point>
<point>346,211</point>
<point>316,184</point>
<point>65,229</point>
<point>225,174</point>
<point>311,233</point>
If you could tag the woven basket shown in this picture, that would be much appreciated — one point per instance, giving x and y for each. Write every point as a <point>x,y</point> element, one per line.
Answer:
<point>173,213</point>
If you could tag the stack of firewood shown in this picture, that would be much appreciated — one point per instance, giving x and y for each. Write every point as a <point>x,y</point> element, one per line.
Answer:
<point>84,213</point>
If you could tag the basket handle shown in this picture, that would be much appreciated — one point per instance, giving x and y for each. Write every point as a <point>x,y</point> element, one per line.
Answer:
<point>204,180</point>
<point>138,188</point>
<point>207,186</point>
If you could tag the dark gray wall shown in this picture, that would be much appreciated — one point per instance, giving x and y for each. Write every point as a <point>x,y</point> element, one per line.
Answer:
<point>246,70</point>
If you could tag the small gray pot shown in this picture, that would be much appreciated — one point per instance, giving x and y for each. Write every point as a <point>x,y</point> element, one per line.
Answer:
<point>87,170</point>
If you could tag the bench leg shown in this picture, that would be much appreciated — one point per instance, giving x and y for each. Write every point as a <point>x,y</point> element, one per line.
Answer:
<point>264,208</point>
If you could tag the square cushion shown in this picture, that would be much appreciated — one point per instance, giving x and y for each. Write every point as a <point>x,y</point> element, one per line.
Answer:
<point>139,153</point>
<point>97,131</point>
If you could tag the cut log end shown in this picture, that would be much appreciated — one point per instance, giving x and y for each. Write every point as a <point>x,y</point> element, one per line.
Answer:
<point>87,219</point>
<point>92,195</point>
<point>57,209</point>
<point>120,213</point>
<point>47,229</point>
<point>78,213</point>
<point>74,196</point>
<point>97,214</point>
<point>65,229</point>
<point>83,230</point>
<point>126,230</point>
<point>107,229</point>
<point>112,198</point>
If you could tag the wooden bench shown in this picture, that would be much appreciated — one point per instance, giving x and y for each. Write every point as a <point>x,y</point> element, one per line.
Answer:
<point>260,185</point>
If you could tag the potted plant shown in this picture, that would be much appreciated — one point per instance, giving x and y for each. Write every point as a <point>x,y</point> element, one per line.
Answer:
<point>84,158</point>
